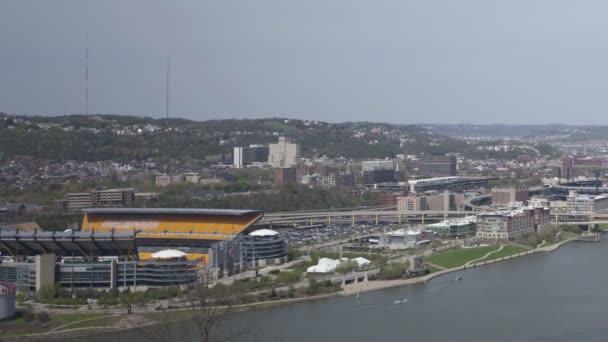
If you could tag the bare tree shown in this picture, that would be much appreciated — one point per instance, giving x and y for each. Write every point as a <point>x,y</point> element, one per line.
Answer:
<point>201,316</point>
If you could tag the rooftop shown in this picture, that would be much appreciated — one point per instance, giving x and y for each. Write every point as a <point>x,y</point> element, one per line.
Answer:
<point>263,232</point>
<point>171,211</point>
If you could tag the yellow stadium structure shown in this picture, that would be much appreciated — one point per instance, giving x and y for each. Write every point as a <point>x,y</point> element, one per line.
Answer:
<point>172,227</point>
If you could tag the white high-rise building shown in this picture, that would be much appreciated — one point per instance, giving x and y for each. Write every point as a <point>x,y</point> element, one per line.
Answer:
<point>237,156</point>
<point>284,153</point>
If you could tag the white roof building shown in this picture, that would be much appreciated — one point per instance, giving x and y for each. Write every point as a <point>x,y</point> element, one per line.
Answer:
<point>264,232</point>
<point>168,254</point>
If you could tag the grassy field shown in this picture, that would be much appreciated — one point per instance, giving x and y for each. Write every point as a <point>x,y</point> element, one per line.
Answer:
<point>18,326</point>
<point>545,244</point>
<point>603,226</point>
<point>459,257</point>
<point>568,235</point>
<point>434,269</point>
<point>506,251</point>
<point>95,322</point>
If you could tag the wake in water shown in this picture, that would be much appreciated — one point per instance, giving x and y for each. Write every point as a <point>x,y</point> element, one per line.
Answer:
<point>439,284</point>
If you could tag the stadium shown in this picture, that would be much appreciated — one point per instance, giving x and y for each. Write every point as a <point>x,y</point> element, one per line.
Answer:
<point>140,248</point>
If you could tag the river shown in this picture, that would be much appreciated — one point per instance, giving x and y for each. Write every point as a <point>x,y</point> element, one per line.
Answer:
<point>556,296</point>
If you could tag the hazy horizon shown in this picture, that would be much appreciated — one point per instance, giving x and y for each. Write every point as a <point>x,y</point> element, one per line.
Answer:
<point>400,62</point>
<point>327,121</point>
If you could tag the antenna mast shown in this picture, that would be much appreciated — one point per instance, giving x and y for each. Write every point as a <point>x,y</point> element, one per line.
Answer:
<point>167,95</point>
<point>86,77</point>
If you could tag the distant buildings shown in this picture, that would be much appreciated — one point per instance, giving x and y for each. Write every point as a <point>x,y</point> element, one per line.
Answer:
<point>109,198</point>
<point>454,227</point>
<point>446,183</point>
<point>162,180</point>
<point>432,200</point>
<point>283,153</point>
<point>166,180</point>
<point>244,156</point>
<point>587,204</point>
<point>437,166</point>
<point>378,171</point>
<point>401,239</point>
<point>567,165</point>
<point>389,199</point>
<point>285,175</point>
<point>191,177</point>
<point>339,181</point>
<point>504,196</point>
<point>574,166</point>
<point>542,218</point>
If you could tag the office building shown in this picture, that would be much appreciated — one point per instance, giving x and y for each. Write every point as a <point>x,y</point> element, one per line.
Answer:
<point>113,198</point>
<point>389,199</point>
<point>244,156</point>
<point>587,204</point>
<point>284,153</point>
<point>432,201</point>
<point>339,181</point>
<point>379,164</point>
<point>108,198</point>
<point>505,225</point>
<point>504,196</point>
<point>411,203</point>
<point>76,201</point>
<point>542,218</point>
<point>454,227</point>
<point>437,166</point>
<point>378,171</point>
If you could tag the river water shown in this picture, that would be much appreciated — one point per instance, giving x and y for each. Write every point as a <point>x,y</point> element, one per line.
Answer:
<point>556,296</point>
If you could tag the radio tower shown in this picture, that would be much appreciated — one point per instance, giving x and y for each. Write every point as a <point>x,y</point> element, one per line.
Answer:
<point>167,95</point>
<point>86,88</point>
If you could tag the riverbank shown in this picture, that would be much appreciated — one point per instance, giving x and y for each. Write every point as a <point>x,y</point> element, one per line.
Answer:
<point>143,318</point>
<point>374,285</point>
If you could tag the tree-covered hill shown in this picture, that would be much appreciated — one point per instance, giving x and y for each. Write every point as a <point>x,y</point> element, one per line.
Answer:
<point>124,138</point>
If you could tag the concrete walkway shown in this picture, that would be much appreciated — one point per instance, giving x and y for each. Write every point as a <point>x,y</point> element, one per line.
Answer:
<point>436,266</point>
<point>61,327</point>
<point>485,256</point>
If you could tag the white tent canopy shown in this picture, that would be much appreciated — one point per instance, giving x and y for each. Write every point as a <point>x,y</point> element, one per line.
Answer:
<point>326,265</point>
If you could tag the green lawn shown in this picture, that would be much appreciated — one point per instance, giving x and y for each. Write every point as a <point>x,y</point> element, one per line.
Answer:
<point>568,235</point>
<point>506,251</point>
<point>545,244</point>
<point>98,322</point>
<point>459,257</point>
<point>603,226</point>
<point>433,269</point>
<point>20,327</point>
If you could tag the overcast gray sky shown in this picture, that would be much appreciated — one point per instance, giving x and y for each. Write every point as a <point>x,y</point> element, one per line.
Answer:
<point>399,61</point>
